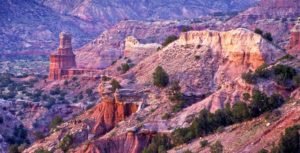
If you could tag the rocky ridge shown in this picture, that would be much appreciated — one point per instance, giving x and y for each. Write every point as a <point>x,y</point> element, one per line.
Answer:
<point>34,25</point>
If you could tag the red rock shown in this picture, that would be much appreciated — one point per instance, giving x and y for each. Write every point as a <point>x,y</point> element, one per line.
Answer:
<point>126,143</point>
<point>108,113</point>
<point>63,59</point>
<point>295,36</point>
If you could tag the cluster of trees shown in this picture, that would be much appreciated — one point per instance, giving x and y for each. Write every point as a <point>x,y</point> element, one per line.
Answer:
<point>289,142</point>
<point>18,140</point>
<point>125,66</point>
<point>66,143</point>
<point>115,85</point>
<point>176,97</point>
<point>57,120</point>
<point>208,122</point>
<point>159,144</point>
<point>267,35</point>
<point>283,75</point>
<point>42,150</point>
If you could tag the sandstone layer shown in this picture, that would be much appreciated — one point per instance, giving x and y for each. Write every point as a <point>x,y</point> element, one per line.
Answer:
<point>94,123</point>
<point>211,57</point>
<point>63,60</point>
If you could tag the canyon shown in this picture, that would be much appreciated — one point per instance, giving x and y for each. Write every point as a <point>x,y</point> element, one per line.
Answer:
<point>127,121</point>
<point>166,81</point>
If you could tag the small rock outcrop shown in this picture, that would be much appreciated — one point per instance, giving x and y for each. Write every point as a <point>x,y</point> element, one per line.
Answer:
<point>63,59</point>
<point>294,45</point>
<point>125,143</point>
<point>138,51</point>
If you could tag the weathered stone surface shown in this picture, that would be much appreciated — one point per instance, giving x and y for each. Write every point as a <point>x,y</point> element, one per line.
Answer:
<point>294,46</point>
<point>63,59</point>
<point>274,16</point>
<point>137,51</point>
<point>126,143</point>
<point>203,60</point>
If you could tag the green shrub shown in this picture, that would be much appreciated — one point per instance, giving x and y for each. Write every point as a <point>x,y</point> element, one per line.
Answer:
<point>186,28</point>
<point>166,116</point>
<point>115,85</point>
<point>105,78</point>
<point>13,149</point>
<point>262,71</point>
<point>124,67</point>
<point>89,92</point>
<point>263,151</point>
<point>38,135</point>
<point>268,36</point>
<point>216,147</point>
<point>42,150</point>
<point>246,96</point>
<point>174,92</point>
<point>249,78</point>
<point>296,80</point>
<point>66,82</point>
<point>57,120</point>
<point>1,120</point>
<point>159,144</point>
<point>240,112</point>
<point>187,151</point>
<point>74,78</point>
<point>283,74</point>
<point>203,143</point>
<point>290,141</point>
<point>197,57</point>
<point>169,40</point>
<point>66,143</point>
<point>55,91</point>
<point>160,77</point>
<point>258,31</point>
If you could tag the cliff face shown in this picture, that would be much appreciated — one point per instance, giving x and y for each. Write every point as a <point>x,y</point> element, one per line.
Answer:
<point>107,114</point>
<point>94,123</point>
<point>109,46</point>
<point>137,51</point>
<point>203,60</point>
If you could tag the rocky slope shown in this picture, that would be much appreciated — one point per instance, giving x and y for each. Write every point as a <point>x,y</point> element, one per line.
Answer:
<point>210,56</point>
<point>214,58</point>
<point>33,25</point>
<point>274,16</point>
<point>250,136</point>
<point>97,121</point>
<point>109,46</point>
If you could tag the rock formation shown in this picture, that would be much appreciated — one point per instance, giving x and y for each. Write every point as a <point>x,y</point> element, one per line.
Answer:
<point>126,143</point>
<point>274,16</point>
<point>137,51</point>
<point>97,121</point>
<point>203,60</point>
<point>63,59</point>
<point>109,46</point>
<point>295,37</point>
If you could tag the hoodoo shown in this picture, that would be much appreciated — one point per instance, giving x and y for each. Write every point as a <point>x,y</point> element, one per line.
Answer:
<point>62,60</point>
<point>295,36</point>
